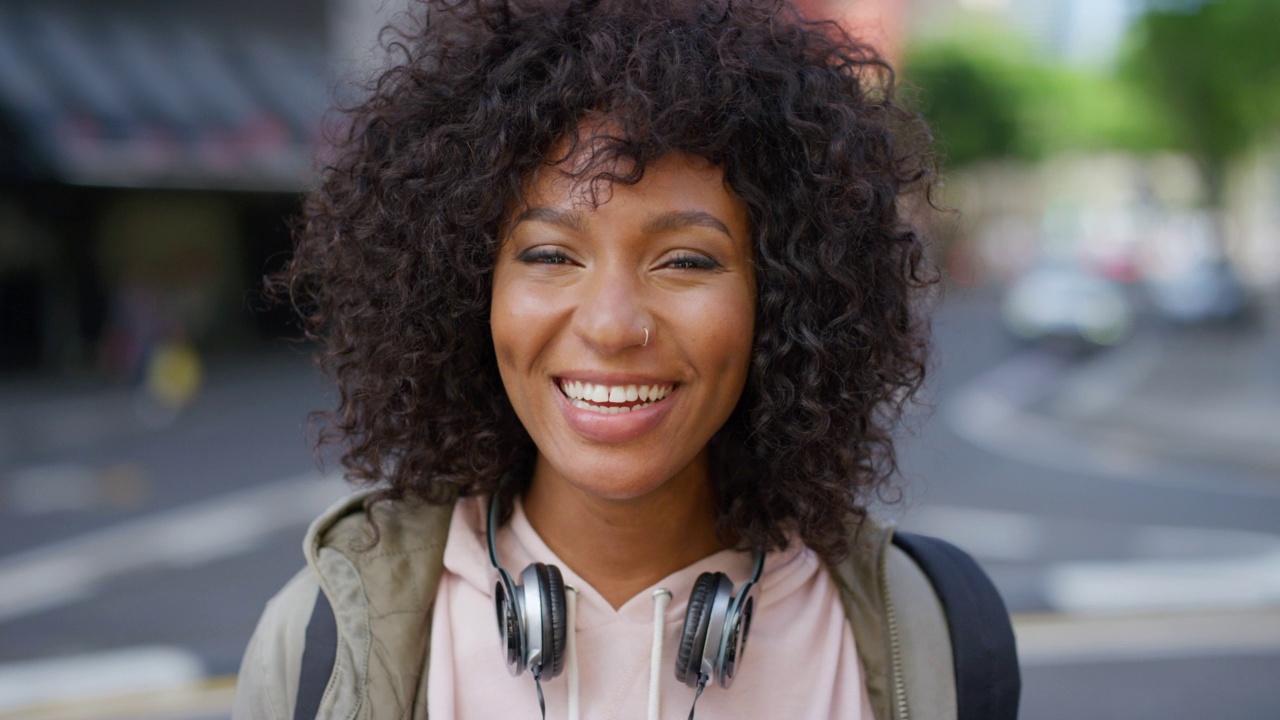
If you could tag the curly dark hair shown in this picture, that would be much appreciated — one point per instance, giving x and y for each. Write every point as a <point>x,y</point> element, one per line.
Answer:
<point>396,247</point>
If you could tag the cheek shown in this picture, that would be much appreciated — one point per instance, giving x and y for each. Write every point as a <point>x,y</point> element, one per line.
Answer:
<point>504,328</point>
<point>728,330</point>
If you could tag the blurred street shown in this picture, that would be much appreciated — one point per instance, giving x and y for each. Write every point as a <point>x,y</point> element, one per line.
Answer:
<point>1101,429</point>
<point>1133,554</point>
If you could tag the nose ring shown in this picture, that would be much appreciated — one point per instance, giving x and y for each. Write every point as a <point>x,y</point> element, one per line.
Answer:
<point>646,338</point>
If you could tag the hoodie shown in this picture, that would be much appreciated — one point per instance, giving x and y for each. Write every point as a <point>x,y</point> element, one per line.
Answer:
<point>801,659</point>
<point>383,596</point>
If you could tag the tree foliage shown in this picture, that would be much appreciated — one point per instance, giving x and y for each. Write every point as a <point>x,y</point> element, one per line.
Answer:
<point>1214,69</point>
<point>988,96</point>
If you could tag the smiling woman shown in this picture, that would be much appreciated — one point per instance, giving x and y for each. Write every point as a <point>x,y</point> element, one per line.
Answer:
<point>651,287</point>
<point>623,292</point>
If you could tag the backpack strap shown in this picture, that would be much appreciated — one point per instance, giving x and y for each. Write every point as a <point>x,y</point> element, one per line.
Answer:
<point>984,653</point>
<point>318,655</point>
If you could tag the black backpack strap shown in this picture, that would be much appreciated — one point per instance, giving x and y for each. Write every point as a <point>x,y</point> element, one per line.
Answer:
<point>988,682</point>
<point>318,656</point>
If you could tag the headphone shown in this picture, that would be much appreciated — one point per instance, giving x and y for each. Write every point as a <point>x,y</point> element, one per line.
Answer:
<point>532,621</point>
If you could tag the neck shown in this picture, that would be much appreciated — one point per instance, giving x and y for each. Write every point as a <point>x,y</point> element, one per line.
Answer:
<point>623,546</point>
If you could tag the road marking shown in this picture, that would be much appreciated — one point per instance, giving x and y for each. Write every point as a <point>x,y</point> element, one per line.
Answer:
<point>205,700</point>
<point>227,525</point>
<point>1101,384</point>
<point>1065,639</point>
<point>1160,567</point>
<point>991,413</point>
<point>985,534</point>
<point>117,672</point>
<point>161,682</point>
<point>1109,586</point>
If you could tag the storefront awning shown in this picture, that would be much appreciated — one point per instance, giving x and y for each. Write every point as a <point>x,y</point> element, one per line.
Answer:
<point>115,100</point>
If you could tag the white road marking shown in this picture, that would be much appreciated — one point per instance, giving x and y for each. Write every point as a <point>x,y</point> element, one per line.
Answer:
<point>227,525</point>
<point>1102,383</point>
<point>1110,586</point>
<point>985,534</point>
<point>990,412</point>
<point>116,672</point>
<point>1161,567</point>
<point>1064,639</point>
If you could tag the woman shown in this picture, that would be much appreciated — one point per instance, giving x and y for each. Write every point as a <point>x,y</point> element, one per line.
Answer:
<point>620,292</point>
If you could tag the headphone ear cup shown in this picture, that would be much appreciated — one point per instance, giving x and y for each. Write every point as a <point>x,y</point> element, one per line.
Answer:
<point>697,617</point>
<point>509,626</point>
<point>557,621</point>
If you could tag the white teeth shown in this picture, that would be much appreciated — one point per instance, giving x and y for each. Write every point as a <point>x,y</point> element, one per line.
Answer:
<point>584,394</point>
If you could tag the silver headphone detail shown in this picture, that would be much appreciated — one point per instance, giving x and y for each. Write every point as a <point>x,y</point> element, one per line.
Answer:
<point>532,621</point>
<point>716,624</point>
<point>531,615</point>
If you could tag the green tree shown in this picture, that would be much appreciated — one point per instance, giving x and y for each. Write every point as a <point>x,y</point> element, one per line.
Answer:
<point>988,96</point>
<point>970,94</point>
<point>1214,69</point>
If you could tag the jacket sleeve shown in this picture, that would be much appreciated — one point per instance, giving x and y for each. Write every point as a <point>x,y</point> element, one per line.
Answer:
<point>268,682</point>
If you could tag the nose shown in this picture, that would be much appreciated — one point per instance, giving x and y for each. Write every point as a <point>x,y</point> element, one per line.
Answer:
<point>611,315</point>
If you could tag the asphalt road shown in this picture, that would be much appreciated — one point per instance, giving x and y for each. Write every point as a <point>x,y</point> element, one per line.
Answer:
<point>142,556</point>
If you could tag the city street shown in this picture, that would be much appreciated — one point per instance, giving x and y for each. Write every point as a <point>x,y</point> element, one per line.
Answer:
<point>1143,571</point>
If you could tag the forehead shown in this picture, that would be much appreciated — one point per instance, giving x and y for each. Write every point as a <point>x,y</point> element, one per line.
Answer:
<point>588,183</point>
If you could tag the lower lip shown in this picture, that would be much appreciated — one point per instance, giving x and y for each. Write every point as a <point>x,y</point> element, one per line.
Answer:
<point>613,428</point>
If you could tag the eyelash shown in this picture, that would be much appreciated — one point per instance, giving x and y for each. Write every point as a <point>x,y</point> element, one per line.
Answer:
<point>693,262</point>
<point>543,256</point>
<point>553,256</point>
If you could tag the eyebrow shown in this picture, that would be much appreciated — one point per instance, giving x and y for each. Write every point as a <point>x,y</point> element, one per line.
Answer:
<point>677,219</point>
<point>660,223</point>
<point>553,216</point>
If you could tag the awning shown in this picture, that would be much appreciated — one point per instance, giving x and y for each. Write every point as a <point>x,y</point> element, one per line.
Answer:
<point>103,98</point>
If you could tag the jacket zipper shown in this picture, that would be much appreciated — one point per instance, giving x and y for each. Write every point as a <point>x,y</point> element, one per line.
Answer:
<point>895,644</point>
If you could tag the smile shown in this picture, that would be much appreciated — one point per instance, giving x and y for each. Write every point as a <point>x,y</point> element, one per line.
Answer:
<point>613,399</point>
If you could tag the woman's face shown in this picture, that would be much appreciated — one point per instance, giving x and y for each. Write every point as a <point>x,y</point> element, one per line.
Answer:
<point>575,287</point>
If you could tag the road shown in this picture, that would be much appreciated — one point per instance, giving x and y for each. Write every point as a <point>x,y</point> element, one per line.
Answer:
<point>134,556</point>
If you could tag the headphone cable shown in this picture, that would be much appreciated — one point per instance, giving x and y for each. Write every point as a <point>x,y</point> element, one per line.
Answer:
<point>537,681</point>
<point>702,684</point>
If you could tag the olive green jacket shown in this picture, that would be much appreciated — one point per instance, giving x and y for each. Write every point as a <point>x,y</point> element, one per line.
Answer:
<point>382,595</point>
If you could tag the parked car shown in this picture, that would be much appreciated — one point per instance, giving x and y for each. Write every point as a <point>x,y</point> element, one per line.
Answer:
<point>1208,290</point>
<point>1060,299</point>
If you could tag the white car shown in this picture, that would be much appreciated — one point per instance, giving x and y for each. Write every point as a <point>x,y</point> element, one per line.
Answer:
<point>1061,300</point>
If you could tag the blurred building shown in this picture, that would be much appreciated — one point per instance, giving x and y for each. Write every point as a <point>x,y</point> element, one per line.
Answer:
<point>149,153</point>
<point>878,22</point>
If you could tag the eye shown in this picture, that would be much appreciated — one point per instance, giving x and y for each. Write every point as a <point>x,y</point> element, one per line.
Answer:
<point>544,256</point>
<point>692,261</point>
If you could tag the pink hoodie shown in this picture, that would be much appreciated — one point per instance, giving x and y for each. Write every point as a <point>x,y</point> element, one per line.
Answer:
<point>801,661</point>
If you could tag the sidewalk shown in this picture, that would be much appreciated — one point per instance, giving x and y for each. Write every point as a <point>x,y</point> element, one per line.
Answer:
<point>1201,394</point>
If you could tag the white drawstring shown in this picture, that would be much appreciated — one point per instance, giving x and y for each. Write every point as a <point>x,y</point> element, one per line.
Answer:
<point>661,598</point>
<point>572,600</point>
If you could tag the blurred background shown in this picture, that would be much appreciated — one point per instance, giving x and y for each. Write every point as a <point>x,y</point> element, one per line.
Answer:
<point>1104,430</point>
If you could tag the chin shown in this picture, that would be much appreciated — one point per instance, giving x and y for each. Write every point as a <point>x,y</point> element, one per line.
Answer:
<point>617,486</point>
